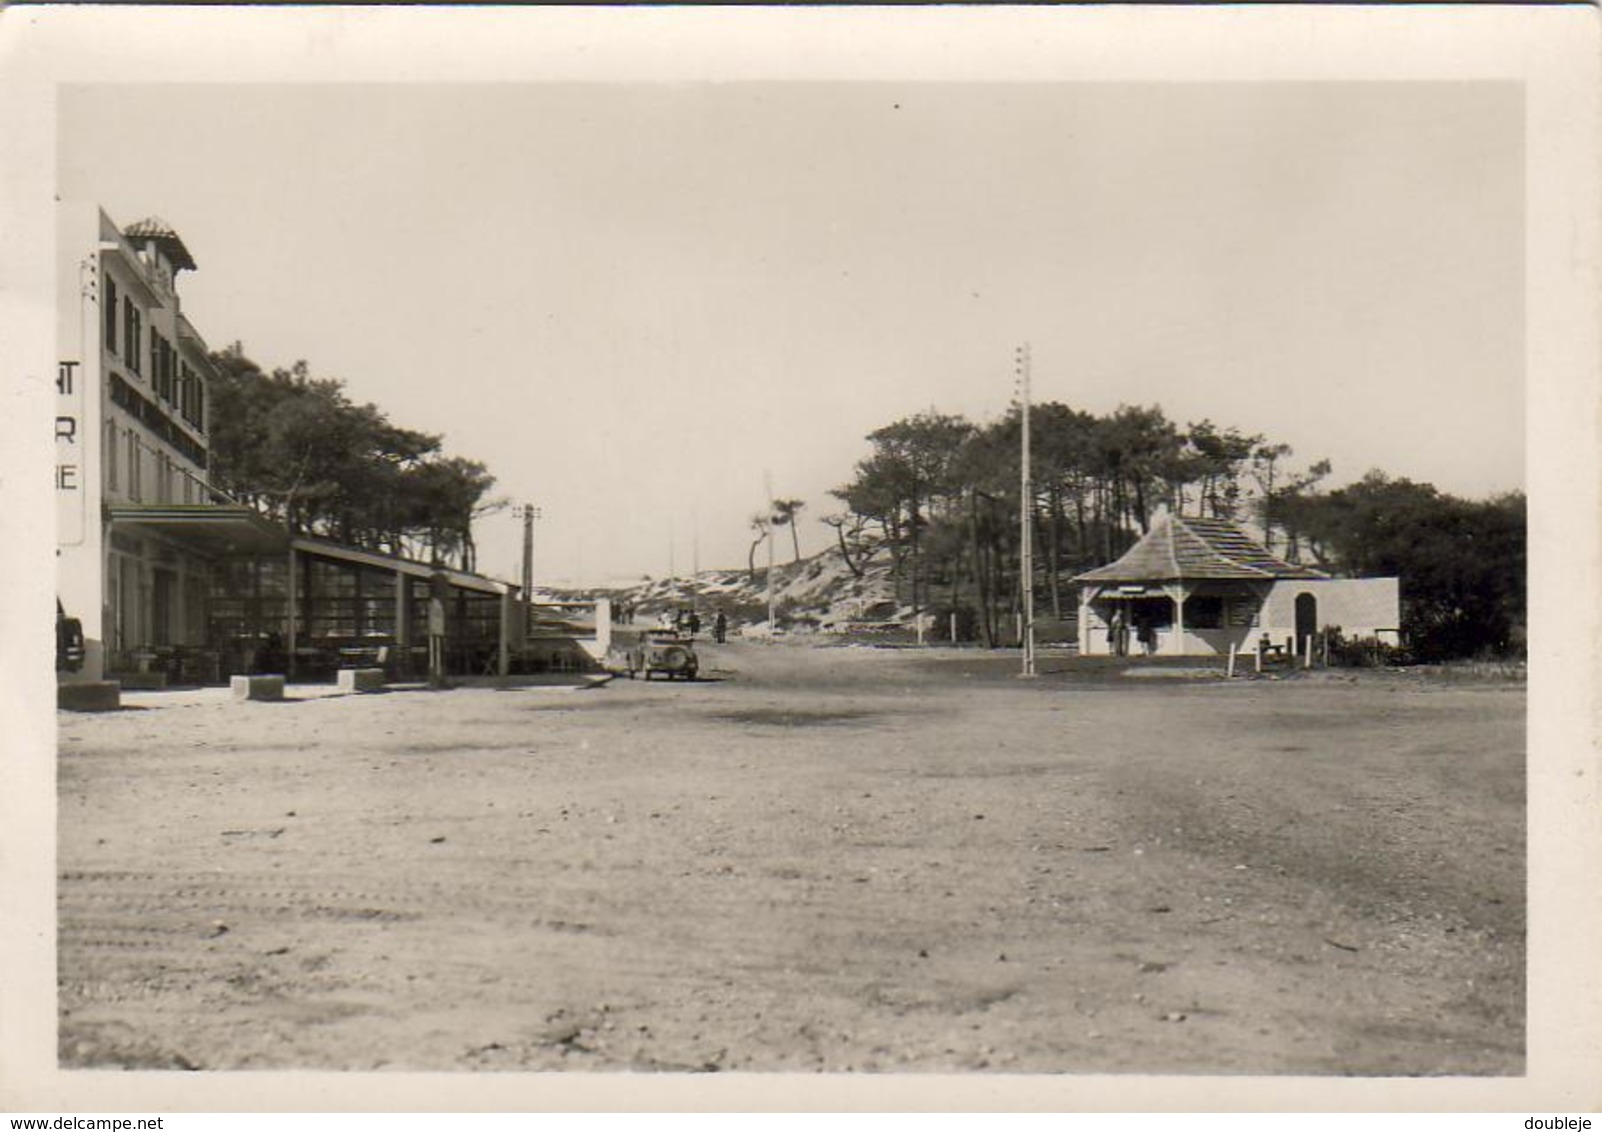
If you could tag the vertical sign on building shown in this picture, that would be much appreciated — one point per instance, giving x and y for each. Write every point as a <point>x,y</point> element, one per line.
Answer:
<point>71,481</point>
<point>69,475</point>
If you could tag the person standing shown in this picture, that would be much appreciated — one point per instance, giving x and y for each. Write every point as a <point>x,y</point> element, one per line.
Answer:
<point>1117,634</point>
<point>720,627</point>
<point>439,591</point>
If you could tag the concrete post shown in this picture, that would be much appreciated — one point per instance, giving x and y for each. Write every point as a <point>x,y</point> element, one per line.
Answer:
<point>292,605</point>
<point>503,661</point>
<point>403,622</point>
<point>603,624</point>
<point>180,602</point>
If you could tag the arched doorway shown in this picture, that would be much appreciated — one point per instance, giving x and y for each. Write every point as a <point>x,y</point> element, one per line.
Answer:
<point>1306,617</point>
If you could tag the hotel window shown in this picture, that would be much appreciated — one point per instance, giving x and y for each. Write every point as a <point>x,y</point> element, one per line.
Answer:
<point>189,394</point>
<point>169,370</point>
<point>132,338</point>
<point>109,306</point>
<point>110,456</point>
<point>330,600</point>
<point>133,465</point>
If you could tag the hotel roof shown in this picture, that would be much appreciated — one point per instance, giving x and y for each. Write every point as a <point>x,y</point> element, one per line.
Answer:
<point>157,229</point>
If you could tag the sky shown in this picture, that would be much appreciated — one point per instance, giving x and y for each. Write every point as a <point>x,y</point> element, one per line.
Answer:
<point>635,301</point>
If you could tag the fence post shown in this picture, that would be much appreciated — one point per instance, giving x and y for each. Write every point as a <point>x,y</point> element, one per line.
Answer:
<point>1230,671</point>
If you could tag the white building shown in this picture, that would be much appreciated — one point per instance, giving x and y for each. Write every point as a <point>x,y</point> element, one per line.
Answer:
<point>1194,587</point>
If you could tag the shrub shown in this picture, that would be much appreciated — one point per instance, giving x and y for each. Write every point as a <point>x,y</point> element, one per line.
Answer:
<point>1362,652</point>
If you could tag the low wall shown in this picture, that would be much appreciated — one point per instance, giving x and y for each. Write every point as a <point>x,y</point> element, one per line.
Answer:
<point>361,679</point>
<point>257,687</point>
<point>89,695</point>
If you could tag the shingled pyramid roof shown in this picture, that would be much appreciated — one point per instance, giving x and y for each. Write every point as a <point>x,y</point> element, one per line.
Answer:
<point>157,229</point>
<point>1185,549</point>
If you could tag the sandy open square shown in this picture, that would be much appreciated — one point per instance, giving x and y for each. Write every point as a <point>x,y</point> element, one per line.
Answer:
<point>840,859</point>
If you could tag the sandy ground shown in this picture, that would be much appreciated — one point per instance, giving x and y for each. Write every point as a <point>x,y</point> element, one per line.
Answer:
<point>816,859</point>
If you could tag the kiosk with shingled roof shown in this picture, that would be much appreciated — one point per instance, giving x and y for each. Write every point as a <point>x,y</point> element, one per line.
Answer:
<point>1204,587</point>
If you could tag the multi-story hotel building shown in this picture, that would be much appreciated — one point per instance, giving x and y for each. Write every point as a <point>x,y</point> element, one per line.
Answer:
<point>131,420</point>
<point>171,580</point>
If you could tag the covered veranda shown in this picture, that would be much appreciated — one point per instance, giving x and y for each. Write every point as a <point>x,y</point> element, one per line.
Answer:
<point>258,599</point>
<point>1176,618</point>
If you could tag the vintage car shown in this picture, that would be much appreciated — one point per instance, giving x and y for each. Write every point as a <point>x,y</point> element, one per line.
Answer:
<point>655,651</point>
<point>69,641</point>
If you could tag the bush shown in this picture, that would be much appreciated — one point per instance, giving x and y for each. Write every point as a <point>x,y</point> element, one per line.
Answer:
<point>1362,652</point>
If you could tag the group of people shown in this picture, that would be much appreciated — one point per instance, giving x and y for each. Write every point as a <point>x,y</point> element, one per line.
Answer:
<point>686,622</point>
<point>1118,633</point>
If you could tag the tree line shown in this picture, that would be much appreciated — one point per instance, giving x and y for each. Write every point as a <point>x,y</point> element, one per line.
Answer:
<point>296,448</point>
<point>939,494</point>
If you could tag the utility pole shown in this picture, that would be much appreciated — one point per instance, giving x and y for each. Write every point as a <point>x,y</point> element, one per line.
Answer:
<point>1026,553</point>
<point>767,487</point>
<point>528,514</point>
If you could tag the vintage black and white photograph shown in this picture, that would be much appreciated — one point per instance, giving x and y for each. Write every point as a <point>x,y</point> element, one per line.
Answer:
<point>738,573</point>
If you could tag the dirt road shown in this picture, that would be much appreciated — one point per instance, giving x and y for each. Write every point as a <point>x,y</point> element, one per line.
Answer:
<point>819,859</point>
